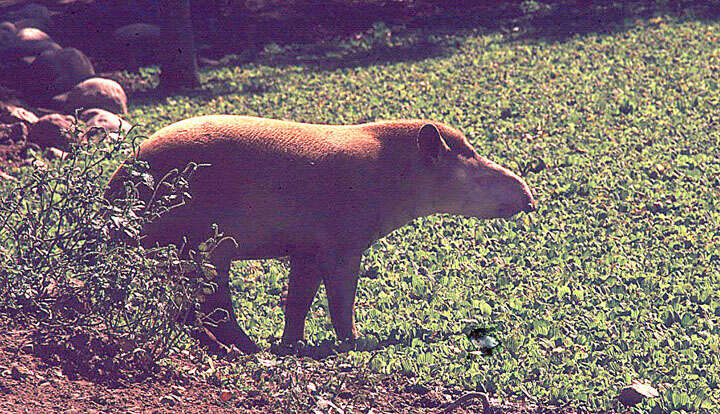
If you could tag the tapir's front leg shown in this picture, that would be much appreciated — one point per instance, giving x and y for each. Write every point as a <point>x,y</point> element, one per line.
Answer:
<point>341,276</point>
<point>304,280</point>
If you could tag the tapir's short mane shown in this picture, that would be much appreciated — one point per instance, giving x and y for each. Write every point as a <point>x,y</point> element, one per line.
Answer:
<point>408,129</point>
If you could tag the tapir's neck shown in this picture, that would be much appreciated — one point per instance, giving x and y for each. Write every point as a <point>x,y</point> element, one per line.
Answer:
<point>398,214</point>
<point>408,197</point>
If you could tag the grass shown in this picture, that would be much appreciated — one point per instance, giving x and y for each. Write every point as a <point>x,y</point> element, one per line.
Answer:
<point>614,278</point>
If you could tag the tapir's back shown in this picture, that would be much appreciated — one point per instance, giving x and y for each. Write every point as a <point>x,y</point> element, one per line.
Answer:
<point>272,184</point>
<point>215,134</point>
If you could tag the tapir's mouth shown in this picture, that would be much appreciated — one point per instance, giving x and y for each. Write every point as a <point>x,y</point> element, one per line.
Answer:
<point>508,209</point>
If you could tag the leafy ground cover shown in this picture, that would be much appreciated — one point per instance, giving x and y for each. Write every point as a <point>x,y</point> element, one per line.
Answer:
<point>613,279</point>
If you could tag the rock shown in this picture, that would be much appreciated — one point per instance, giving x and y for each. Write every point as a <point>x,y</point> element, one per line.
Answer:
<point>31,34</point>
<point>7,35</point>
<point>97,93</point>
<point>53,153</point>
<point>101,118</point>
<point>6,177</point>
<point>58,102</point>
<point>40,24</point>
<point>31,42</point>
<point>8,27</point>
<point>10,96</point>
<point>31,11</point>
<point>12,133</point>
<point>56,71</point>
<point>137,44</point>
<point>11,114</point>
<point>50,131</point>
<point>32,49</point>
<point>138,33</point>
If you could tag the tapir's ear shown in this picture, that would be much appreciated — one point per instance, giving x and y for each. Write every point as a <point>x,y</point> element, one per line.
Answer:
<point>430,143</point>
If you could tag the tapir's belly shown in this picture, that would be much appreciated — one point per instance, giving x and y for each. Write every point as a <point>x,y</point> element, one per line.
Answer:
<point>268,224</point>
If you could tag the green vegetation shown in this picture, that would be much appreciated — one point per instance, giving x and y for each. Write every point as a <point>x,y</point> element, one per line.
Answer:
<point>614,278</point>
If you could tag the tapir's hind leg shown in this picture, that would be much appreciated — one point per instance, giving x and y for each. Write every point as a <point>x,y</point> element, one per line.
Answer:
<point>219,323</point>
<point>217,309</point>
<point>304,280</point>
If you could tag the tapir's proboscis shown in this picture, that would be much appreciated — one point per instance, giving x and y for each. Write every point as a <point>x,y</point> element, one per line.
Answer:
<point>317,194</point>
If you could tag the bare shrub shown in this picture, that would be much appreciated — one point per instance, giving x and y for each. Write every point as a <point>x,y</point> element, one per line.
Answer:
<point>71,261</point>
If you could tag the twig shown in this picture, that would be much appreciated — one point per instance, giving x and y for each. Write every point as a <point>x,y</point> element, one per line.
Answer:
<point>465,399</point>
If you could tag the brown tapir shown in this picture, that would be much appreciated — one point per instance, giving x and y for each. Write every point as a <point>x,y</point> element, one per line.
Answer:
<point>319,194</point>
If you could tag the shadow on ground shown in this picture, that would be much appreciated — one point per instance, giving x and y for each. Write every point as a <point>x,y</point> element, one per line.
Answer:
<point>329,348</point>
<point>363,35</point>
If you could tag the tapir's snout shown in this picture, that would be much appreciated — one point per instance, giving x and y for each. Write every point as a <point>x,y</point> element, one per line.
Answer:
<point>512,193</point>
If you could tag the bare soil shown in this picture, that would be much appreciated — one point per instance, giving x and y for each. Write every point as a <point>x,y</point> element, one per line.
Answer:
<point>34,379</point>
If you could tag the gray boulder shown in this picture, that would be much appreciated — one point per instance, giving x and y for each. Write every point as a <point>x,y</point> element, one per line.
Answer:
<point>31,34</point>
<point>97,93</point>
<point>10,114</point>
<point>138,33</point>
<point>51,131</point>
<point>7,35</point>
<point>41,24</point>
<point>56,71</point>
<point>100,118</point>
<point>12,133</point>
<point>8,27</point>
<point>31,11</point>
<point>30,42</point>
<point>136,44</point>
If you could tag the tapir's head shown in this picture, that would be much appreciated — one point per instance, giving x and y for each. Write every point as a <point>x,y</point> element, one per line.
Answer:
<point>465,183</point>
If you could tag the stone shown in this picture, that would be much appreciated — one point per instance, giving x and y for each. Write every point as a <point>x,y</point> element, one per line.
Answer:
<point>97,93</point>
<point>56,71</point>
<point>101,118</point>
<point>32,34</point>
<point>136,44</point>
<point>138,33</point>
<point>11,113</point>
<point>31,42</point>
<point>8,27</point>
<point>31,11</point>
<point>39,24</point>
<point>10,96</point>
<point>12,133</point>
<point>7,35</point>
<point>637,392</point>
<point>51,131</point>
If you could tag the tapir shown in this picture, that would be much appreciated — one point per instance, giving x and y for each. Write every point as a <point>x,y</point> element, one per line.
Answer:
<point>317,194</point>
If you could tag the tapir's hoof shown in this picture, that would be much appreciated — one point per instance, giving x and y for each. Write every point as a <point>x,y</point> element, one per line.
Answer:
<point>247,347</point>
<point>287,348</point>
<point>224,347</point>
<point>282,349</point>
<point>347,345</point>
<point>236,336</point>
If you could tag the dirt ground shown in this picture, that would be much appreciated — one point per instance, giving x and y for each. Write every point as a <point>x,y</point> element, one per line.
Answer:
<point>31,381</point>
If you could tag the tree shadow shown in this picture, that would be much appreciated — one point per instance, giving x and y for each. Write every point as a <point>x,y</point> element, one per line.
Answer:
<point>559,21</point>
<point>143,91</point>
<point>334,58</point>
<point>337,35</point>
